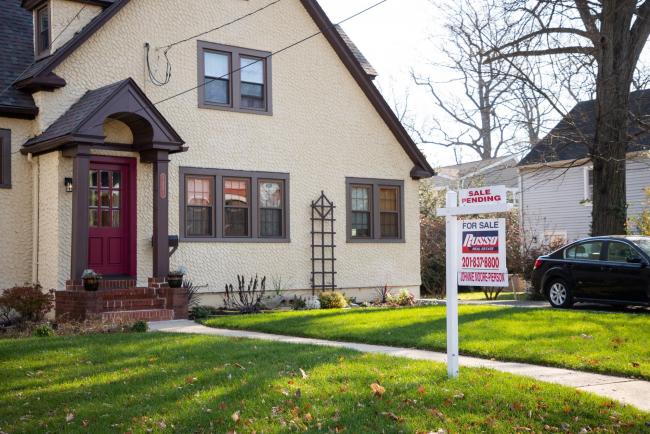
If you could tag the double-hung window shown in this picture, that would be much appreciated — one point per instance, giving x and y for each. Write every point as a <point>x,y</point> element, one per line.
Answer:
<point>42,30</point>
<point>234,78</point>
<point>5,158</point>
<point>231,205</point>
<point>375,210</point>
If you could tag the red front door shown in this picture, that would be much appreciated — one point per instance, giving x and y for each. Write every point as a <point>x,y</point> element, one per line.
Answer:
<point>111,217</point>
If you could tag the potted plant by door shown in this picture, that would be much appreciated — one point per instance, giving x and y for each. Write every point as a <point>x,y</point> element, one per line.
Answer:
<point>175,277</point>
<point>90,280</point>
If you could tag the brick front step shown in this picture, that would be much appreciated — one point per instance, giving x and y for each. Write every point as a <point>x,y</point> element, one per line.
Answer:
<point>138,315</point>
<point>77,285</point>
<point>128,293</point>
<point>134,304</point>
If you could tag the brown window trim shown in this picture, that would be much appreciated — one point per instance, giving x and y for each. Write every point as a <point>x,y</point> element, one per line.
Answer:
<point>375,224</point>
<point>235,54</point>
<point>39,54</point>
<point>218,199</point>
<point>5,158</point>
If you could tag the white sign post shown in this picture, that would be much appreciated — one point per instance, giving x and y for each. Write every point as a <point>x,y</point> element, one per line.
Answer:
<point>483,251</point>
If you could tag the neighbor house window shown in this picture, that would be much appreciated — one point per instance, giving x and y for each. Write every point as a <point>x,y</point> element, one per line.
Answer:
<point>42,30</point>
<point>5,158</point>
<point>233,78</point>
<point>375,210</point>
<point>231,205</point>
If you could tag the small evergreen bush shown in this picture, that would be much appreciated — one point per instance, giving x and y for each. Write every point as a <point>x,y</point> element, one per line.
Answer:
<point>43,331</point>
<point>140,327</point>
<point>332,300</point>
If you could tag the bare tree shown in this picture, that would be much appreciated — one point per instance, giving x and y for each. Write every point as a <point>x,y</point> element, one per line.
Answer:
<point>477,112</point>
<point>612,33</point>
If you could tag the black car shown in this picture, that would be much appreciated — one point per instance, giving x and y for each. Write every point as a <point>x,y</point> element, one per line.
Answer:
<point>610,270</point>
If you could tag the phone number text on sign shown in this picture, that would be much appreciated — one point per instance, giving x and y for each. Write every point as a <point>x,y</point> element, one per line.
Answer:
<point>482,251</point>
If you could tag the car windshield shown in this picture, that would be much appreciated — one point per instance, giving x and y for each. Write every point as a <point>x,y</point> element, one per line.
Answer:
<point>643,243</point>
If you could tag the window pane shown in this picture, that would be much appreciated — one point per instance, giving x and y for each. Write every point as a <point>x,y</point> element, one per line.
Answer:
<point>93,178</point>
<point>252,70</point>
<point>199,191</point>
<point>104,176</point>
<point>271,222</point>
<point>590,251</point>
<point>235,222</point>
<point>92,198</point>
<point>93,218</point>
<point>117,176</point>
<point>116,219</point>
<point>44,29</point>
<point>106,218</point>
<point>360,199</point>
<point>115,202</point>
<point>217,65</point>
<point>235,192</point>
<point>620,252</point>
<point>252,96</point>
<point>198,221</point>
<point>270,195</point>
<point>105,199</point>
<point>388,199</point>
<point>360,224</point>
<point>217,91</point>
<point>389,225</point>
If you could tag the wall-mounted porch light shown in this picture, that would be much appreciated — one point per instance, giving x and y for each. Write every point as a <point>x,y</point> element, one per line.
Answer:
<point>68,185</point>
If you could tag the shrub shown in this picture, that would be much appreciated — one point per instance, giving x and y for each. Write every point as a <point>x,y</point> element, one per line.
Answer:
<point>298,303</point>
<point>30,302</point>
<point>43,331</point>
<point>247,298</point>
<point>192,292</point>
<point>332,300</point>
<point>202,312</point>
<point>382,294</point>
<point>140,327</point>
<point>404,298</point>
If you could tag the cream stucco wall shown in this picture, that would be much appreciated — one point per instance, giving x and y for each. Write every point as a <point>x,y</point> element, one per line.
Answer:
<point>68,17</point>
<point>322,130</point>
<point>16,211</point>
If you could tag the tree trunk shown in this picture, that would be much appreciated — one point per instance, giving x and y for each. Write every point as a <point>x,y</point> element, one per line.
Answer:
<point>611,141</point>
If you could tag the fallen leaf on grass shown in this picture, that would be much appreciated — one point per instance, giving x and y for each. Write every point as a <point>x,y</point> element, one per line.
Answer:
<point>635,364</point>
<point>392,415</point>
<point>235,416</point>
<point>190,380</point>
<point>308,417</point>
<point>421,390</point>
<point>377,389</point>
<point>239,366</point>
<point>69,417</point>
<point>303,373</point>
<point>437,413</point>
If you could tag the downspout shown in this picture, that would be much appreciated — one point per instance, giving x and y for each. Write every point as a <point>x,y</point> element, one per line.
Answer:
<point>36,217</point>
<point>521,211</point>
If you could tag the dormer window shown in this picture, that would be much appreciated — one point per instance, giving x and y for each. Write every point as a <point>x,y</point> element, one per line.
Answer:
<point>42,30</point>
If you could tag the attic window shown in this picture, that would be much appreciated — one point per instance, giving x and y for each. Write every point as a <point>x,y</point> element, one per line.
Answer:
<point>42,30</point>
<point>5,159</point>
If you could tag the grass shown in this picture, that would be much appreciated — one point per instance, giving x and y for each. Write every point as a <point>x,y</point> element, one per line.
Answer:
<point>611,343</point>
<point>178,383</point>
<point>480,296</point>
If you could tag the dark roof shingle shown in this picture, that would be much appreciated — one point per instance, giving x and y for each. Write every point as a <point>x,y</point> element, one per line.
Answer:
<point>16,53</point>
<point>570,137</point>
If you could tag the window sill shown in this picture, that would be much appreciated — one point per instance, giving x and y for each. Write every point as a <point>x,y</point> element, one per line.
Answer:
<point>375,240</point>
<point>226,108</point>
<point>235,240</point>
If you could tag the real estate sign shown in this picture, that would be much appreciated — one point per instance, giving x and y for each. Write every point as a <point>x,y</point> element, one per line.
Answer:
<point>482,196</point>
<point>482,253</point>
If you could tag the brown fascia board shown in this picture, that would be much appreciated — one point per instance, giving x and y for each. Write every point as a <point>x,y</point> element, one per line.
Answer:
<point>62,53</point>
<point>49,82</point>
<point>422,168</point>
<point>15,112</point>
<point>33,4</point>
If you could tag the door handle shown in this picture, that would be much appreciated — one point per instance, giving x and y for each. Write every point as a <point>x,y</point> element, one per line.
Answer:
<point>604,268</point>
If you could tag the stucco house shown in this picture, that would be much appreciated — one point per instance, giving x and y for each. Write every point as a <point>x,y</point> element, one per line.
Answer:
<point>556,178</point>
<point>127,125</point>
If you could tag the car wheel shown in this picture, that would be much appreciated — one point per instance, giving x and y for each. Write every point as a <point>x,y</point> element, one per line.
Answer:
<point>559,294</point>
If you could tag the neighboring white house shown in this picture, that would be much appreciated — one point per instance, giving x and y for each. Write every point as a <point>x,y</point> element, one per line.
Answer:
<point>494,171</point>
<point>556,177</point>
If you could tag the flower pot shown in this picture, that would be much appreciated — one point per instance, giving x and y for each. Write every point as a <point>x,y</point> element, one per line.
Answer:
<point>91,284</point>
<point>175,281</point>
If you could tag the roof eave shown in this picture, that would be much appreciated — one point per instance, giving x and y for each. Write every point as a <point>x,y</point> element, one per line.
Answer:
<point>18,112</point>
<point>47,82</point>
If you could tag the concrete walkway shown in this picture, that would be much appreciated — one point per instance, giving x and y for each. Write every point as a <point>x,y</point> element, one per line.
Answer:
<point>625,390</point>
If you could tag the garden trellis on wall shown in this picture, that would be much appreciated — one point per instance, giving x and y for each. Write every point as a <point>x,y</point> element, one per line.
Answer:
<point>322,244</point>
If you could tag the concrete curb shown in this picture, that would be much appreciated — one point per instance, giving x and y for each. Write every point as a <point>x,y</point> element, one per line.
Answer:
<point>625,390</point>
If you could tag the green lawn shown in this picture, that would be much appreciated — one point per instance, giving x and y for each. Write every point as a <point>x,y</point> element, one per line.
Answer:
<point>480,296</point>
<point>171,383</point>
<point>612,343</point>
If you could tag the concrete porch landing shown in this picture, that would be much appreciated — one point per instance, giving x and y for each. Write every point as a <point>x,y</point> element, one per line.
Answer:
<point>625,390</point>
